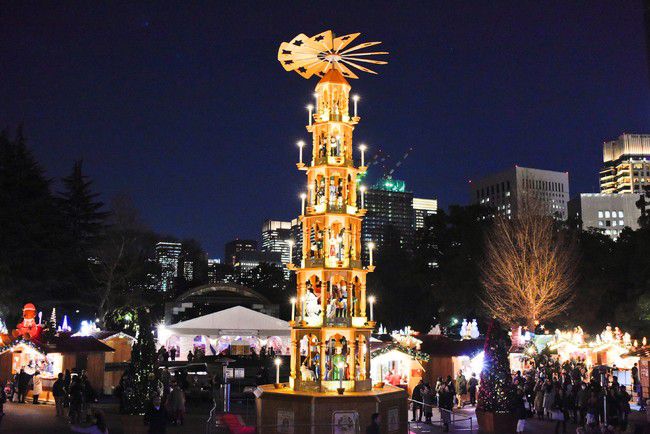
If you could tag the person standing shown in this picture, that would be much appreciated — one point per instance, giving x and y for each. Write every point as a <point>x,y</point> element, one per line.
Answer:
<point>446,405</point>
<point>190,356</point>
<point>520,411</point>
<point>76,398</point>
<point>416,399</point>
<point>427,404</point>
<point>473,386</point>
<point>172,354</point>
<point>67,380</point>
<point>177,404</point>
<point>58,391</point>
<point>37,387</point>
<point>461,388</point>
<point>23,384</point>
<point>156,417</point>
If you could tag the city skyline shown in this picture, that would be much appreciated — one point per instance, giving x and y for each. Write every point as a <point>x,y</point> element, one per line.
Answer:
<point>168,122</point>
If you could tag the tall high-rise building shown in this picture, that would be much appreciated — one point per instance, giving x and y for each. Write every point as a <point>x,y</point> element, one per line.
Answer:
<point>423,208</point>
<point>504,191</point>
<point>275,238</point>
<point>606,213</point>
<point>167,255</point>
<point>626,164</point>
<point>235,247</point>
<point>213,270</point>
<point>188,270</point>
<point>296,236</point>
<point>387,204</point>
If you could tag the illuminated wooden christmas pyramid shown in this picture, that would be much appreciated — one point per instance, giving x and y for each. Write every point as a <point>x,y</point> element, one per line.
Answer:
<point>331,313</point>
<point>331,328</point>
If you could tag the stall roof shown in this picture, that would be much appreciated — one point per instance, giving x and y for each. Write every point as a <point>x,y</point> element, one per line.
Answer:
<point>107,334</point>
<point>437,345</point>
<point>65,344</point>
<point>236,320</point>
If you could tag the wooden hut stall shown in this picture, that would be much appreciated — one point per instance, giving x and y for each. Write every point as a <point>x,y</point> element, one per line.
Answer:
<point>395,364</point>
<point>448,356</point>
<point>55,355</point>
<point>115,361</point>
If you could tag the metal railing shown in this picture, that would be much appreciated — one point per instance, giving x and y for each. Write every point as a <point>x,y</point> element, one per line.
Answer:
<point>454,418</point>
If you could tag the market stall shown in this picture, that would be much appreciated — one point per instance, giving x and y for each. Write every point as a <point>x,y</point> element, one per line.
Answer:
<point>234,331</point>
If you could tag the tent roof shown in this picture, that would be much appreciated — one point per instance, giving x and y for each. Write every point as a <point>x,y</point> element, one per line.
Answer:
<point>236,320</point>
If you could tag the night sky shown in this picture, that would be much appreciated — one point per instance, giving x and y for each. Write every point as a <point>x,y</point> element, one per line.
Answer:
<point>188,110</point>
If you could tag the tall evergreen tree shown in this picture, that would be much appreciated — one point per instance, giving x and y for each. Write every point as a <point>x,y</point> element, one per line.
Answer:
<point>83,212</point>
<point>33,254</point>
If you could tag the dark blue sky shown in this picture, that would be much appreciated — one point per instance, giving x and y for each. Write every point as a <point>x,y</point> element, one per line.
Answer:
<point>188,110</point>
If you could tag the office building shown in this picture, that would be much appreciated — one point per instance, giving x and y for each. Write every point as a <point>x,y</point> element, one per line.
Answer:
<point>235,247</point>
<point>167,255</point>
<point>606,213</point>
<point>388,204</point>
<point>275,238</point>
<point>248,260</point>
<point>188,270</point>
<point>296,236</point>
<point>626,164</point>
<point>423,208</point>
<point>504,192</point>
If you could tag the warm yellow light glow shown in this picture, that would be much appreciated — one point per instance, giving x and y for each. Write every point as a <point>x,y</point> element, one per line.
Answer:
<point>362,147</point>
<point>355,98</point>
<point>362,188</point>
<point>371,299</point>
<point>371,245</point>
<point>277,361</point>
<point>300,143</point>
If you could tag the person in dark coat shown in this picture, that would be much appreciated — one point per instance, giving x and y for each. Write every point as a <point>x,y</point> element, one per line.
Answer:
<point>417,400</point>
<point>473,385</point>
<point>446,404</point>
<point>156,417</point>
<point>58,391</point>
<point>23,384</point>
<point>427,400</point>
<point>375,423</point>
<point>520,411</point>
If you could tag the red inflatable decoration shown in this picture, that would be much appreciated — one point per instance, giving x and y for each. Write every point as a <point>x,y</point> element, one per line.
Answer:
<point>28,328</point>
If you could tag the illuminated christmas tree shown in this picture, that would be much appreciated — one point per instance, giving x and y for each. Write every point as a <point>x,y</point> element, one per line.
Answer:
<point>497,393</point>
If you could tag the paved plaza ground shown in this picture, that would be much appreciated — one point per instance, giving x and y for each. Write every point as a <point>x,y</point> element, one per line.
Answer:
<point>41,419</point>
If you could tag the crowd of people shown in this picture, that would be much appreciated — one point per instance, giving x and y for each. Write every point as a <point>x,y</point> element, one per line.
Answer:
<point>594,400</point>
<point>444,394</point>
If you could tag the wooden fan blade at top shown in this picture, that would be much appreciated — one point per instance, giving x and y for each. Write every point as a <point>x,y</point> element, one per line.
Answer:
<point>360,46</point>
<point>323,40</point>
<point>376,62</point>
<point>345,71</point>
<point>343,41</point>
<point>362,68</point>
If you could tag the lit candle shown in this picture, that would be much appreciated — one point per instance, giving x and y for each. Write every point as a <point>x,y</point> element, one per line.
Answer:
<point>371,247</point>
<point>278,362</point>
<point>355,98</point>
<point>310,107</point>
<point>363,148</point>
<point>302,305</point>
<point>300,146</point>
<point>341,365</point>
<point>362,189</point>
<point>371,301</point>
<point>293,308</point>
<point>303,196</point>
<point>290,243</point>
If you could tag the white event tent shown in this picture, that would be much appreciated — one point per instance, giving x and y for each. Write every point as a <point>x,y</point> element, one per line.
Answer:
<point>238,327</point>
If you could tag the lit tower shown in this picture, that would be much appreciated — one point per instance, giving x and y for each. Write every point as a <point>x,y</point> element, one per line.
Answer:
<point>332,319</point>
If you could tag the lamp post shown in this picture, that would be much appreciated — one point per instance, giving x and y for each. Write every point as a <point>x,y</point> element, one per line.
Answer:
<point>300,144</point>
<point>290,243</point>
<point>371,301</point>
<point>371,247</point>
<point>293,308</point>
<point>362,189</point>
<point>363,148</point>
<point>303,196</point>
<point>278,362</point>
<point>355,98</point>
<point>310,108</point>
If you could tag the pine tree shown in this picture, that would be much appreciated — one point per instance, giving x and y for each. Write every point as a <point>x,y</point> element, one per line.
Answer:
<point>143,356</point>
<point>497,393</point>
<point>84,215</point>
